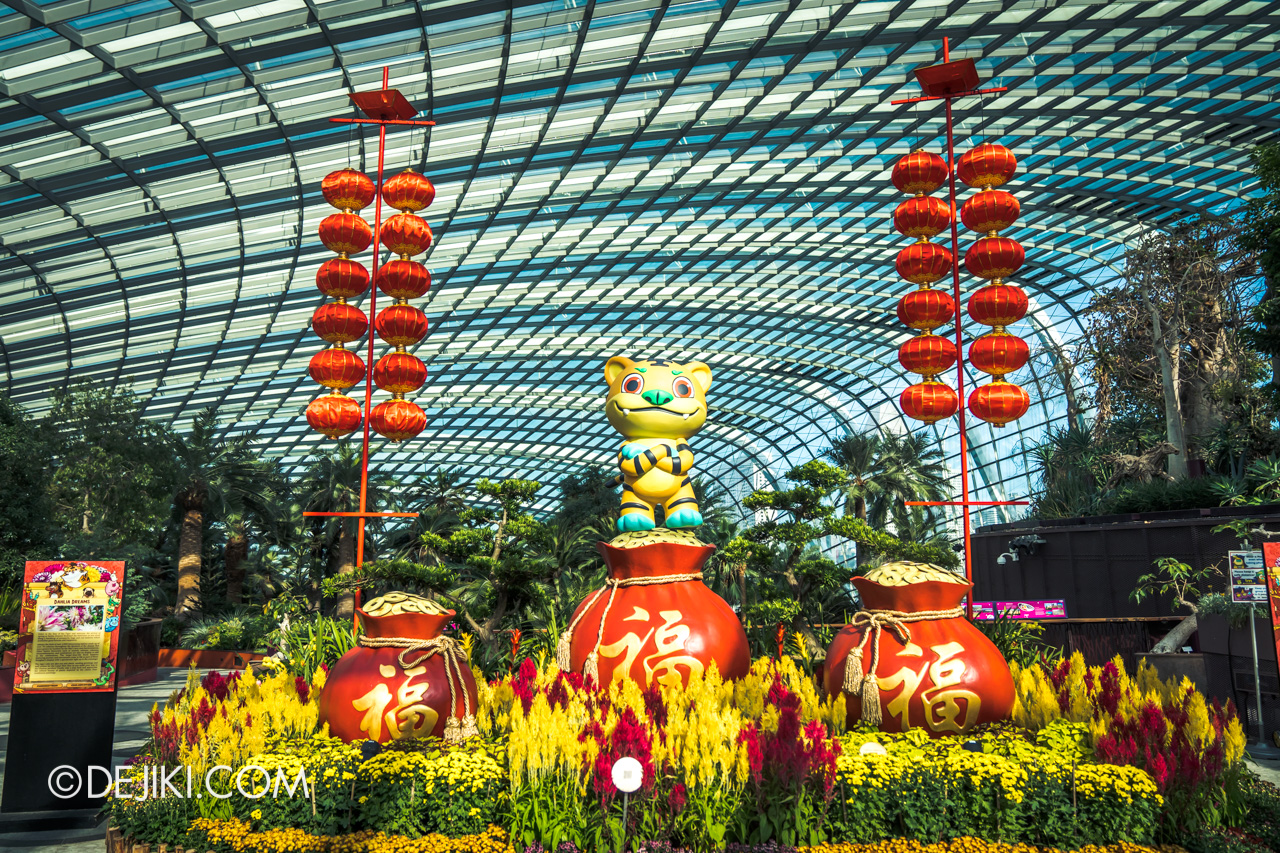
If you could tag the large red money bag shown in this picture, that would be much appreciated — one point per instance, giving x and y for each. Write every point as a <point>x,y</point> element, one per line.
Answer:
<point>404,680</point>
<point>654,620</point>
<point>933,669</point>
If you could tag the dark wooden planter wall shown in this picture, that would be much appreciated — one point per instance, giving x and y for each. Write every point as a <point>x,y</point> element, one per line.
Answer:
<point>1094,563</point>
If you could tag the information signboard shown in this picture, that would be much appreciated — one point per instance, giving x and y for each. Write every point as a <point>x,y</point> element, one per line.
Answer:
<point>69,627</point>
<point>1246,575</point>
<point>1055,609</point>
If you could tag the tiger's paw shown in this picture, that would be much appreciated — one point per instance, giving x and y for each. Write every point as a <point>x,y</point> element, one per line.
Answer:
<point>685,518</point>
<point>633,521</point>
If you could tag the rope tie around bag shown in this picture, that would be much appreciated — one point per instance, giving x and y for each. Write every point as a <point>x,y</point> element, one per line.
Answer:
<point>612,585</point>
<point>873,623</point>
<point>415,651</point>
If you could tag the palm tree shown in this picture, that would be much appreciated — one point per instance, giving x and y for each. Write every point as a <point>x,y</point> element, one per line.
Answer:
<point>913,470</point>
<point>440,491</point>
<point>207,466</point>
<point>259,510</point>
<point>331,483</point>
<point>858,453</point>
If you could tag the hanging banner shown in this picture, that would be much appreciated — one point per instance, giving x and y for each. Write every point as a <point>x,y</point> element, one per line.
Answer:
<point>69,627</point>
<point>1271,559</point>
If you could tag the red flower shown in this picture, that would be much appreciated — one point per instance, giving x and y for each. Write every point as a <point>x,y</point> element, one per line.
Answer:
<point>676,799</point>
<point>303,689</point>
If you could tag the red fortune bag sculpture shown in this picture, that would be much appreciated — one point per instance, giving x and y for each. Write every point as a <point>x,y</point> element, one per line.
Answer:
<point>654,620</point>
<point>911,659</point>
<point>404,679</point>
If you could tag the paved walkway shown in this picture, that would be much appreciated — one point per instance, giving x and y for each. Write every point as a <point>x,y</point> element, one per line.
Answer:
<point>133,704</point>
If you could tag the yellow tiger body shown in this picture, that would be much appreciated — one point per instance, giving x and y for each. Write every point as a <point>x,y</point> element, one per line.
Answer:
<point>657,406</point>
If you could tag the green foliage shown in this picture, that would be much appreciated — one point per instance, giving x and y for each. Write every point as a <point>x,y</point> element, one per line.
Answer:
<point>1161,496</point>
<point>422,786</point>
<point>24,482</point>
<point>385,575</point>
<point>309,642</point>
<point>1175,579</point>
<point>237,632</point>
<point>112,468</point>
<point>1019,640</point>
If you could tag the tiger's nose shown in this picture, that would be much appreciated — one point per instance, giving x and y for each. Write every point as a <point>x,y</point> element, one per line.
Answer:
<point>657,398</point>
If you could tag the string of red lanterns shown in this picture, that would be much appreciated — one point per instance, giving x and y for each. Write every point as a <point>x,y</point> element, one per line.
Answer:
<point>994,258</point>
<point>925,309</point>
<point>401,325</point>
<point>997,304</point>
<point>337,323</point>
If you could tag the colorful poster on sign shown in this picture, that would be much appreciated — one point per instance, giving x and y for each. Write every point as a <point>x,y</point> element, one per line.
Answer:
<point>1056,609</point>
<point>1247,577</point>
<point>1271,561</point>
<point>69,627</point>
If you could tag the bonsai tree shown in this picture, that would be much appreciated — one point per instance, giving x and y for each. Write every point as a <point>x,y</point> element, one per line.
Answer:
<point>791,577</point>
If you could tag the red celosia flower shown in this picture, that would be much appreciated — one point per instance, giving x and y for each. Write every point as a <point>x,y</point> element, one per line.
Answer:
<point>303,689</point>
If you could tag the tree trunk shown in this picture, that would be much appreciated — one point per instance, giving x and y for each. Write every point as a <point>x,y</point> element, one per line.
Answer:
<point>189,545</point>
<point>1169,385</point>
<point>233,556</point>
<point>346,606</point>
<point>1177,638</point>
<point>84,517</point>
<point>742,589</point>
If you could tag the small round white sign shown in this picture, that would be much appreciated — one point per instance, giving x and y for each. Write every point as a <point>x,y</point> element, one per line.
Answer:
<point>627,774</point>
<point>872,748</point>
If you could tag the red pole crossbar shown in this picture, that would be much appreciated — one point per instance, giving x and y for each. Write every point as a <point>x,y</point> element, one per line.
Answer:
<point>360,514</point>
<point>383,121</point>
<point>965,503</point>
<point>941,97</point>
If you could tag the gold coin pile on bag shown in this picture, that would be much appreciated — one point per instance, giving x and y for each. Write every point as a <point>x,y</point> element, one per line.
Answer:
<point>904,573</point>
<point>402,602</point>
<point>640,538</point>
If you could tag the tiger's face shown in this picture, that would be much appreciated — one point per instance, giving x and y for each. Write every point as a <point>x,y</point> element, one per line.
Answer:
<point>655,398</point>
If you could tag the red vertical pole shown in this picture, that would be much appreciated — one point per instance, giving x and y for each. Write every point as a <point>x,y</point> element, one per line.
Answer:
<point>373,312</point>
<point>955,281</point>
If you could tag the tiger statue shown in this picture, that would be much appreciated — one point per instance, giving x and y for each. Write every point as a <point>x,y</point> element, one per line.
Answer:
<point>656,405</point>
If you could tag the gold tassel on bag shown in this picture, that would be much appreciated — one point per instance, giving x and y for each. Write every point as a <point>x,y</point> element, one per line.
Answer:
<point>592,669</point>
<point>453,730</point>
<point>853,672</point>
<point>563,659</point>
<point>469,729</point>
<point>871,700</point>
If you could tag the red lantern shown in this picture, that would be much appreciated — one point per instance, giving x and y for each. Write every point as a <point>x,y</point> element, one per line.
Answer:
<point>345,233</point>
<point>406,234</point>
<point>986,166</point>
<point>999,402</point>
<point>926,309</point>
<point>334,414</point>
<point>397,419</point>
<point>336,368</point>
<point>398,692</point>
<point>998,304</point>
<point>399,373</point>
<point>919,172</point>
<point>401,325</point>
<point>927,354</point>
<point>924,263</point>
<point>994,257</point>
<point>339,323</point>
<point>342,278</point>
<point>993,210</point>
<point>408,191</point>
<point>656,630</point>
<point>929,402</point>
<point>999,353</point>
<point>922,216</point>
<point>403,279</point>
<point>933,669</point>
<point>347,189</point>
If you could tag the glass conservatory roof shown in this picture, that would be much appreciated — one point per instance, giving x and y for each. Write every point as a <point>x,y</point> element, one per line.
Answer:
<point>693,180</point>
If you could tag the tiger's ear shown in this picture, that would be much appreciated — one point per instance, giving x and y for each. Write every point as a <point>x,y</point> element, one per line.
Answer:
<point>701,374</point>
<point>615,367</point>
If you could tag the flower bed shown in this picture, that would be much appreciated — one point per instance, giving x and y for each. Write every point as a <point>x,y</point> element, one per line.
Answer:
<point>745,765</point>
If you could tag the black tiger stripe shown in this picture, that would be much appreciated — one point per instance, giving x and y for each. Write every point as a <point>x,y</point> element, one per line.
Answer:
<point>682,446</point>
<point>686,482</point>
<point>681,501</point>
<point>676,466</point>
<point>630,505</point>
<point>653,460</point>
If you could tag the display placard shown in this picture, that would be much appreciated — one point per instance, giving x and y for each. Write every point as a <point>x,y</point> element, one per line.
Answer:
<point>1271,560</point>
<point>1246,574</point>
<point>1055,609</point>
<point>69,627</point>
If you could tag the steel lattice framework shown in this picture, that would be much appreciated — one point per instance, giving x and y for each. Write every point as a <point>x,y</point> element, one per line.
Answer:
<point>702,180</point>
